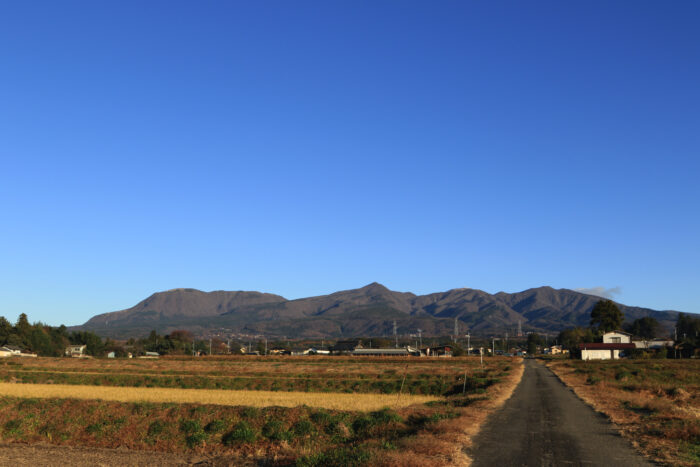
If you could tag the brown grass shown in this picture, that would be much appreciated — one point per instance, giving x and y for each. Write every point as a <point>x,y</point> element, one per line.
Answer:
<point>656,404</point>
<point>445,443</point>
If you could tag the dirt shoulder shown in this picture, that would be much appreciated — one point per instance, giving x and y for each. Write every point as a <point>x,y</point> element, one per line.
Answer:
<point>659,418</point>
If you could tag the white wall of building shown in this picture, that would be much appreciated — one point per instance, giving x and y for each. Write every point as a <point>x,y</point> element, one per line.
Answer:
<point>599,354</point>
<point>614,337</point>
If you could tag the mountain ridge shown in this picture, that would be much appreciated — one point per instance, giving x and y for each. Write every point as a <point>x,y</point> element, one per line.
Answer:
<point>368,310</point>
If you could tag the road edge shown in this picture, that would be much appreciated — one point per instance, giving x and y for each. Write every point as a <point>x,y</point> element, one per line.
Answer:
<point>597,409</point>
<point>482,411</point>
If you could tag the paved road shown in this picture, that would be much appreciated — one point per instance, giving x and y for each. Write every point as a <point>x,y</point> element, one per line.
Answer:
<point>545,424</point>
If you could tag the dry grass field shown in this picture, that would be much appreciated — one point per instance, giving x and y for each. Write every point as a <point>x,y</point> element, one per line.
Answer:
<point>325,400</point>
<point>349,411</point>
<point>656,403</point>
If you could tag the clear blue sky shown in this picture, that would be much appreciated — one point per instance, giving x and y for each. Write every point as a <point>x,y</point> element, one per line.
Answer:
<point>300,148</point>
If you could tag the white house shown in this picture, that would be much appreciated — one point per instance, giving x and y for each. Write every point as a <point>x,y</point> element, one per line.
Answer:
<point>616,337</point>
<point>614,344</point>
<point>76,350</point>
<point>10,351</point>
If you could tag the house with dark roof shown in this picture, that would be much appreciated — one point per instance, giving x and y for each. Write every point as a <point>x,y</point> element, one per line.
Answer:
<point>614,346</point>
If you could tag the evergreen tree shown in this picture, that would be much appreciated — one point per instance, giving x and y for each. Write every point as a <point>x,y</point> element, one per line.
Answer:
<point>607,316</point>
<point>646,327</point>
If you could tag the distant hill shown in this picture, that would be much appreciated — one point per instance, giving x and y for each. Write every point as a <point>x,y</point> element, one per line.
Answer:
<point>368,311</point>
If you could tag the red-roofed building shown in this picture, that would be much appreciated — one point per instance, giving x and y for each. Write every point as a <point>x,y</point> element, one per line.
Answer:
<point>614,344</point>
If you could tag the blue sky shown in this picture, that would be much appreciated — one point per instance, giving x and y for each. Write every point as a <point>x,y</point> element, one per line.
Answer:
<point>301,148</point>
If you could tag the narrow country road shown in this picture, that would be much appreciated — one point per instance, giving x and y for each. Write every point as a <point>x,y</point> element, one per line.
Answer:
<point>545,424</point>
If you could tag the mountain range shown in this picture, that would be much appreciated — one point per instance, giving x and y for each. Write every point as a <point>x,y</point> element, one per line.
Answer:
<point>367,311</point>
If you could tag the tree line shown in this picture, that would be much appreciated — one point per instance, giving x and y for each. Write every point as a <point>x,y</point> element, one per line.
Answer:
<point>45,340</point>
<point>52,341</point>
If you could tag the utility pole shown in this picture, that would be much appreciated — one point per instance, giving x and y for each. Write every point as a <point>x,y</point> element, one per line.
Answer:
<point>396,337</point>
<point>468,343</point>
<point>506,349</point>
<point>493,346</point>
<point>210,346</point>
<point>420,336</point>
<point>454,339</point>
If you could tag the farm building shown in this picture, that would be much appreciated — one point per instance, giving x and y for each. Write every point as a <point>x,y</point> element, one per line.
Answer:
<point>653,344</point>
<point>613,347</point>
<point>437,351</point>
<point>10,351</point>
<point>346,346</point>
<point>401,352</point>
<point>76,350</point>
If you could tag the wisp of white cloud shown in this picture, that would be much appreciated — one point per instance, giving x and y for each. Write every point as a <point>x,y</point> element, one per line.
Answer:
<point>601,291</point>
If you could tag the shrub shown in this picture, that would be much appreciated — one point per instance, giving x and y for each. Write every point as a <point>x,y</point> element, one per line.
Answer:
<point>195,439</point>
<point>275,430</point>
<point>215,426</point>
<point>321,417</point>
<point>156,428</point>
<point>13,427</point>
<point>190,426</point>
<point>385,416</point>
<point>303,428</point>
<point>241,433</point>
<point>362,426</point>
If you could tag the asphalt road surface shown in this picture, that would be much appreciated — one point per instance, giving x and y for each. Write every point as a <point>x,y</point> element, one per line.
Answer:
<point>545,424</point>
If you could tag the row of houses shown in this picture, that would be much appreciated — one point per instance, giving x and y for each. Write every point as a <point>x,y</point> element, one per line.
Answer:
<point>80,351</point>
<point>355,347</point>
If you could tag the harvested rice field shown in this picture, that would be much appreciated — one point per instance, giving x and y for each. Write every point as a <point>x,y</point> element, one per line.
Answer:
<point>342,401</point>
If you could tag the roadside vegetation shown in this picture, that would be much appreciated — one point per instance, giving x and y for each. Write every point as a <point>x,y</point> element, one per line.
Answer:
<point>656,403</point>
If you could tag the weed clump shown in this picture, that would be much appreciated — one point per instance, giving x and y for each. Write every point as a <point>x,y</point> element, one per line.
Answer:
<point>276,431</point>
<point>241,433</point>
<point>215,426</point>
<point>343,457</point>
